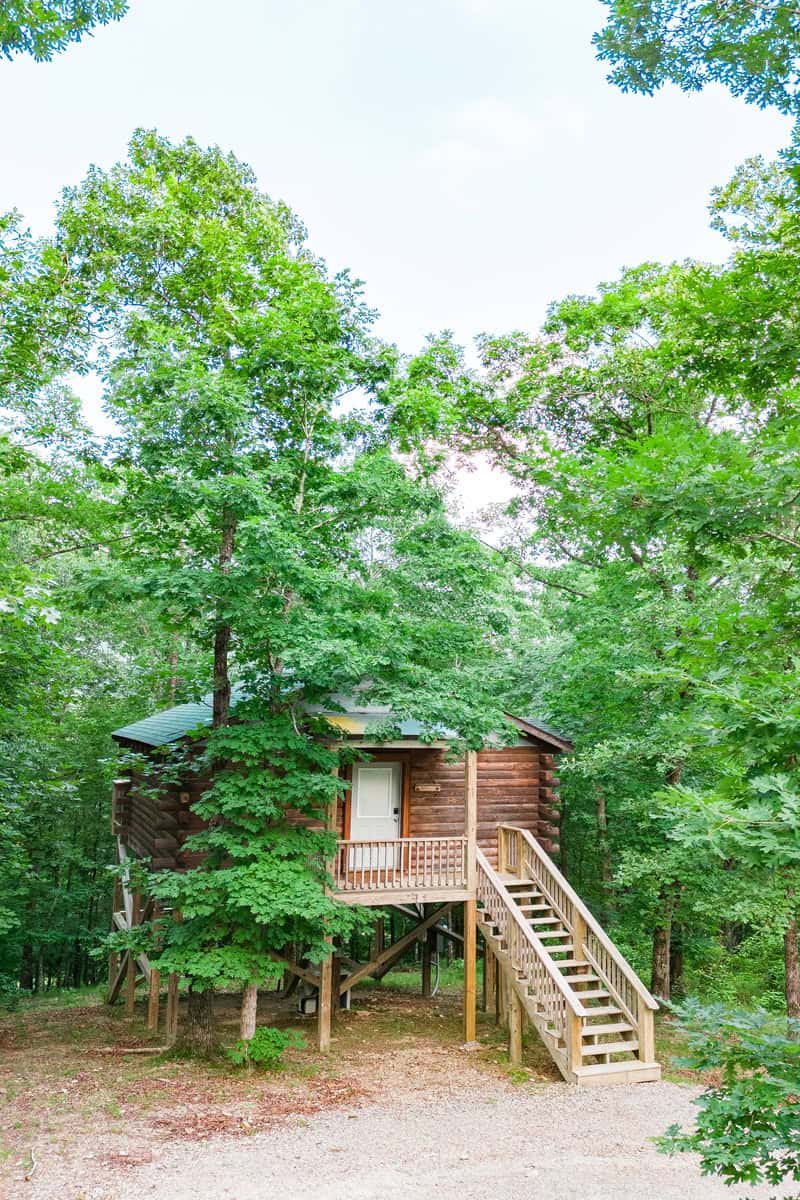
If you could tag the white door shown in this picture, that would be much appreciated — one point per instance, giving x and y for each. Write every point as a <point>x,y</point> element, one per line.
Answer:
<point>375,806</point>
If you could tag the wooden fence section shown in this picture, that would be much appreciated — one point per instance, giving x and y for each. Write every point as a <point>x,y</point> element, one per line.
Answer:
<point>401,865</point>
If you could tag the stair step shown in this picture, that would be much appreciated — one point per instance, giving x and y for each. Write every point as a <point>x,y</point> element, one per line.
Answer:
<point>545,921</point>
<point>529,895</point>
<point>611,1027</point>
<point>558,950</point>
<point>609,1048</point>
<point>534,908</point>
<point>602,1010</point>
<point>607,1074</point>
<point>573,979</point>
<point>571,962</point>
<point>595,994</point>
<point>553,933</point>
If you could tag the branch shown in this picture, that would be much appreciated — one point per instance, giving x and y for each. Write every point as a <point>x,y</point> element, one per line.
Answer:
<point>510,556</point>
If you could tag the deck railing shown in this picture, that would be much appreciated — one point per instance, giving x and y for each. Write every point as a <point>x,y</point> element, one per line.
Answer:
<point>400,864</point>
<point>520,854</point>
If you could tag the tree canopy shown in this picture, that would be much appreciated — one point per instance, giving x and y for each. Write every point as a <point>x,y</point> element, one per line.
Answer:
<point>43,28</point>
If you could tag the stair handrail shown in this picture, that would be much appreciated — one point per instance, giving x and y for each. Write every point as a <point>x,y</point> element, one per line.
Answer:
<point>562,985</point>
<point>590,921</point>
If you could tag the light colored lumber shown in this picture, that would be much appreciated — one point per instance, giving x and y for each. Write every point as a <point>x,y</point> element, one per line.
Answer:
<point>470,964</point>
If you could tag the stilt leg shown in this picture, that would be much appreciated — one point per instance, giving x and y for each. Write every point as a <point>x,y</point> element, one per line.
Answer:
<point>324,1004</point>
<point>515,1015</point>
<point>172,1007</point>
<point>154,1000</point>
<point>489,980</point>
<point>470,954</point>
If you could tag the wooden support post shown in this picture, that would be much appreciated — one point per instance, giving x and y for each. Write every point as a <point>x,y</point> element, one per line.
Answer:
<point>336,983</point>
<point>489,980</point>
<point>154,1000</point>
<point>427,953</point>
<point>470,957</point>
<point>574,1042</point>
<point>130,978</point>
<point>515,1019</point>
<point>324,1004</point>
<point>471,818</point>
<point>172,1008</point>
<point>502,998</point>
<point>646,1034</point>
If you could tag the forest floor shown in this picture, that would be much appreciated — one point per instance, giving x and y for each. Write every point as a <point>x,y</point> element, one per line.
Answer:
<point>399,1109</point>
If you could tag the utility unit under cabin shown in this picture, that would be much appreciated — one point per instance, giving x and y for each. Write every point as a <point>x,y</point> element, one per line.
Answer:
<point>424,832</point>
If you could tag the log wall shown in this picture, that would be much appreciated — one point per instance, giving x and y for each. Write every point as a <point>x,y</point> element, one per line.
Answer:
<point>516,786</point>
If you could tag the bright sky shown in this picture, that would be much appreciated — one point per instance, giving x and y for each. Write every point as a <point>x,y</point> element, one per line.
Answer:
<point>466,158</point>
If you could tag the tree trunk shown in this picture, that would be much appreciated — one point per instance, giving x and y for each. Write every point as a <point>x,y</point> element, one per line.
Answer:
<point>198,1036</point>
<point>676,987</point>
<point>222,635</point>
<point>790,959</point>
<point>659,979</point>
<point>247,1025</point>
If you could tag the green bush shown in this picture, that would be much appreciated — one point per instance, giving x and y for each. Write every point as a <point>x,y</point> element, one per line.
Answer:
<point>9,994</point>
<point>266,1048</point>
<point>748,1129</point>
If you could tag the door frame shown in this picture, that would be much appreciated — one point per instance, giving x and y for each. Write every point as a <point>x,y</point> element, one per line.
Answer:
<point>404,758</point>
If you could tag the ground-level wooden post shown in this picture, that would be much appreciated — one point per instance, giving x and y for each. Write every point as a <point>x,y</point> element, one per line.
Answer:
<point>324,1004</point>
<point>470,963</point>
<point>427,955</point>
<point>153,1000</point>
<point>489,980</point>
<point>515,1018</point>
<point>502,998</point>
<point>130,978</point>
<point>172,1008</point>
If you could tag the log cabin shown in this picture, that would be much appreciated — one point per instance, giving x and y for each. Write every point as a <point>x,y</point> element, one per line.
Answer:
<point>421,832</point>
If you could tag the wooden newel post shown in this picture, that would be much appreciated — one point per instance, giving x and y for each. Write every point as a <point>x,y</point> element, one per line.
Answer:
<point>489,980</point>
<point>574,1041</point>
<point>646,1034</point>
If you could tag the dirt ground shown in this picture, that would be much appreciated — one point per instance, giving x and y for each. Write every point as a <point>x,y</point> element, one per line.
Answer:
<point>399,1109</point>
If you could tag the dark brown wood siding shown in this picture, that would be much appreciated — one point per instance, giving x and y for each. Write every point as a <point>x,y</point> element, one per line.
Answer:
<point>516,786</point>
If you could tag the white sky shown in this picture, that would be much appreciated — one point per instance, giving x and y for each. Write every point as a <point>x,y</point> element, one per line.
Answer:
<point>466,158</point>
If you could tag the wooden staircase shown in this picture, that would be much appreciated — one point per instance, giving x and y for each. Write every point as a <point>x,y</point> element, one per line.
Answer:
<point>591,1010</point>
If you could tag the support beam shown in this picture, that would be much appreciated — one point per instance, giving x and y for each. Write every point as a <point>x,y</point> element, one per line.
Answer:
<point>516,1017</point>
<point>470,962</point>
<point>396,949</point>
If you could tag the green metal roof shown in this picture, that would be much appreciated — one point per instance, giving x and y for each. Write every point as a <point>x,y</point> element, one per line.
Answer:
<point>356,720</point>
<point>167,726</point>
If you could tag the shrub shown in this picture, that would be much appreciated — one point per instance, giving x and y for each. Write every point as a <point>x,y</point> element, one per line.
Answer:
<point>748,1130</point>
<point>266,1048</point>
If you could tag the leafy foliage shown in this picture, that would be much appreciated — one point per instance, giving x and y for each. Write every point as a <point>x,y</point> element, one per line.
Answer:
<point>751,48</point>
<point>748,1128</point>
<point>42,28</point>
<point>266,1048</point>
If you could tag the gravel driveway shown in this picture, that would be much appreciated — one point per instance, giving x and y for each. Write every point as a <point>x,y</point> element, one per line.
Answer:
<point>513,1143</point>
